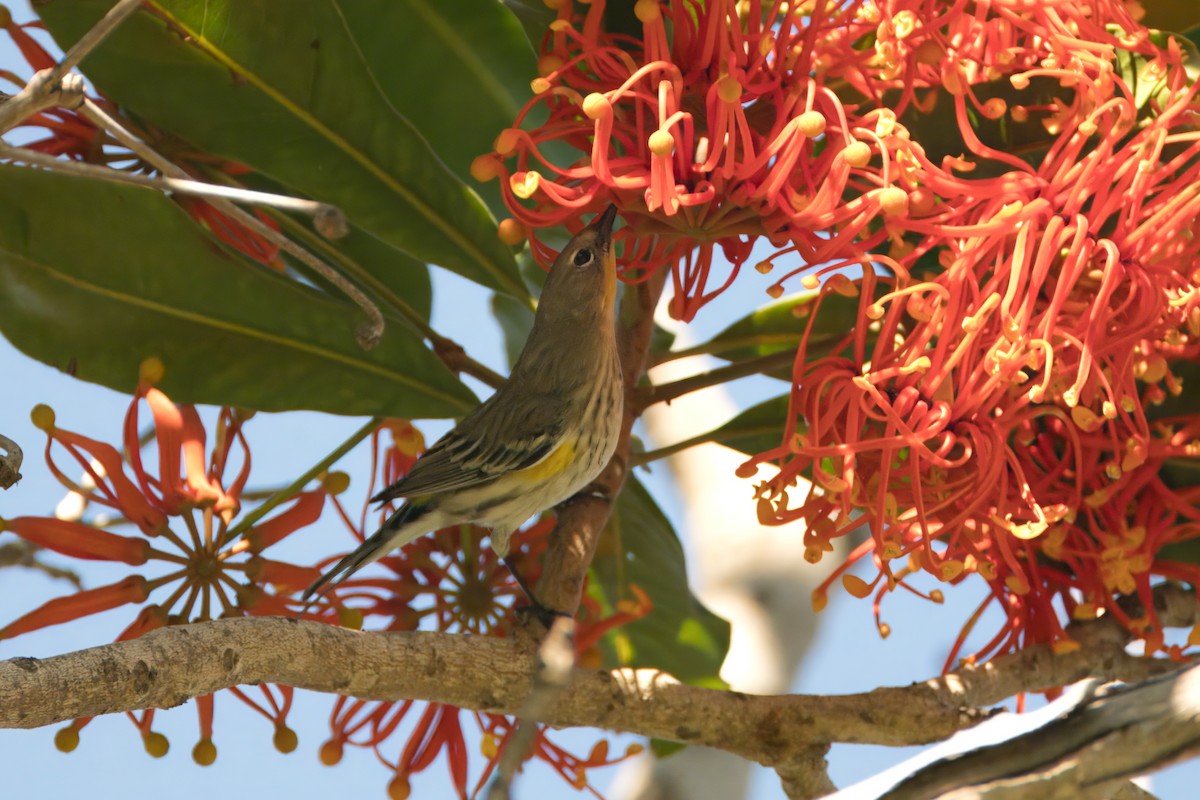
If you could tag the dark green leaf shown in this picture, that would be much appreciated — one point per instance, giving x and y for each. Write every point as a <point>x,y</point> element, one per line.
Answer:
<point>679,635</point>
<point>663,748</point>
<point>283,86</point>
<point>1184,552</point>
<point>1187,372</point>
<point>95,277</point>
<point>1171,15</point>
<point>535,18</point>
<point>516,320</point>
<point>460,76</point>
<point>757,429</point>
<point>388,271</point>
<point>780,325</point>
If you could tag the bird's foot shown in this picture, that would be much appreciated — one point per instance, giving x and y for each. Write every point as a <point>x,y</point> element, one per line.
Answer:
<point>593,491</point>
<point>546,617</point>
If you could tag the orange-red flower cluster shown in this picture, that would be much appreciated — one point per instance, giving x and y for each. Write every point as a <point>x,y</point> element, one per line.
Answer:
<point>1009,188</point>
<point>182,511</point>
<point>447,581</point>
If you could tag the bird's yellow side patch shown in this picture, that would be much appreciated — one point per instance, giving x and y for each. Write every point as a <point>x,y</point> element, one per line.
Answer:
<point>554,462</point>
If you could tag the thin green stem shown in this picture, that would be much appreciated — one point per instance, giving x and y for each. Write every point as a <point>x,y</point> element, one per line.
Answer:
<point>640,459</point>
<point>739,369</point>
<point>290,491</point>
<point>446,349</point>
<point>715,348</point>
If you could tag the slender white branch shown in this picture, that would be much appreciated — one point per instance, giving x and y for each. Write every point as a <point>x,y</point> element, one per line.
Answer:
<point>98,33</point>
<point>184,186</point>
<point>554,663</point>
<point>1088,752</point>
<point>10,462</point>
<point>54,86</point>
<point>329,222</point>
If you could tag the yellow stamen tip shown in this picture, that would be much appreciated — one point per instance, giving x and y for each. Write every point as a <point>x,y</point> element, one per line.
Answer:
<point>42,417</point>
<point>151,370</point>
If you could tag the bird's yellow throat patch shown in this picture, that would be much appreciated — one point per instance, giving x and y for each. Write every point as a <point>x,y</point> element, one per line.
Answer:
<point>555,462</point>
<point>610,280</point>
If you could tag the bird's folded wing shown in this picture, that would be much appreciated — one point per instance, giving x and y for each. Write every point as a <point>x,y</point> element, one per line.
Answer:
<point>497,439</point>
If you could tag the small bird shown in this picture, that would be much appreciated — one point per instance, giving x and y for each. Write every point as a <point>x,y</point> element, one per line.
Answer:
<point>543,436</point>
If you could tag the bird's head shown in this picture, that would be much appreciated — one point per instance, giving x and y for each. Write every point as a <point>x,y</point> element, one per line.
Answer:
<point>584,276</point>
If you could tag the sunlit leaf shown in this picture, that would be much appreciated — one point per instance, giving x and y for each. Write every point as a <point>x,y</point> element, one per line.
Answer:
<point>95,277</point>
<point>679,635</point>
<point>283,86</point>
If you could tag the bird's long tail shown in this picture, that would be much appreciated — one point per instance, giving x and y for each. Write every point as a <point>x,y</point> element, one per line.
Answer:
<point>400,529</point>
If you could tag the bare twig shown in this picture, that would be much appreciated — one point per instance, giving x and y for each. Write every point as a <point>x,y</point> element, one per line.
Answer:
<point>368,336</point>
<point>54,86</point>
<point>24,554</point>
<point>739,369</point>
<point>451,353</point>
<point>99,32</point>
<point>10,462</point>
<point>329,214</point>
<point>580,522</point>
<point>555,661</point>
<point>40,93</point>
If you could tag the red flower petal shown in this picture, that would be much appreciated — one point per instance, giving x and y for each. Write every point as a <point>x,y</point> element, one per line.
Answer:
<point>64,609</point>
<point>77,540</point>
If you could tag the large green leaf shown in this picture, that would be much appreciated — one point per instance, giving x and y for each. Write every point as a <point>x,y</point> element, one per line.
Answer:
<point>535,18</point>
<point>780,326</point>
<point>95,277</point>
<point>284,87</point>
<point>516,321</point>
<point>679,635</point>
<point>474,64</point>
<point>757,429</point>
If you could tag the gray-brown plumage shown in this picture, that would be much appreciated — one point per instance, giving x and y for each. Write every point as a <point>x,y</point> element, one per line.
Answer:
<point>544,435</point>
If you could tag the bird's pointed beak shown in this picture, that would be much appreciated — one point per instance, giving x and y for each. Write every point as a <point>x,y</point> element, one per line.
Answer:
<point>603,225</point>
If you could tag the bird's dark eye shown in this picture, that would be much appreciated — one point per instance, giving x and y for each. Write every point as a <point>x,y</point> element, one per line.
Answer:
<point>583,257</point>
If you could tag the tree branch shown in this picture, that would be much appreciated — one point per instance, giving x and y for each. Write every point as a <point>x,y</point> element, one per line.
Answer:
<point>331,216</point>
<point>168,666</point>
<point>10,462</point>
<point>739,369</point>
<point>581,520</point>
<point>54,86</point>
<point>1088,752</point>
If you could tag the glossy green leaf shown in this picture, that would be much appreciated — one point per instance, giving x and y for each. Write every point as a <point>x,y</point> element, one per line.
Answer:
<point>383,272</point>
<point>1187,373</point>
<point>95,277</point>
<point>460,77</point>
<point>535,18</point>
<point>1184,552</point>
<point>757,429</point>
<point>679,635</point>
<point>780,326</point>
<point>388,271</point>
<point>516,321</point>
<point>283,86</point>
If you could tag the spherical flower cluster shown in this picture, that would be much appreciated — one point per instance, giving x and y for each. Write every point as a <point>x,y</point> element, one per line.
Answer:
<point>1009,189</point>
<point>183,516</point>
<point>724,131</point>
